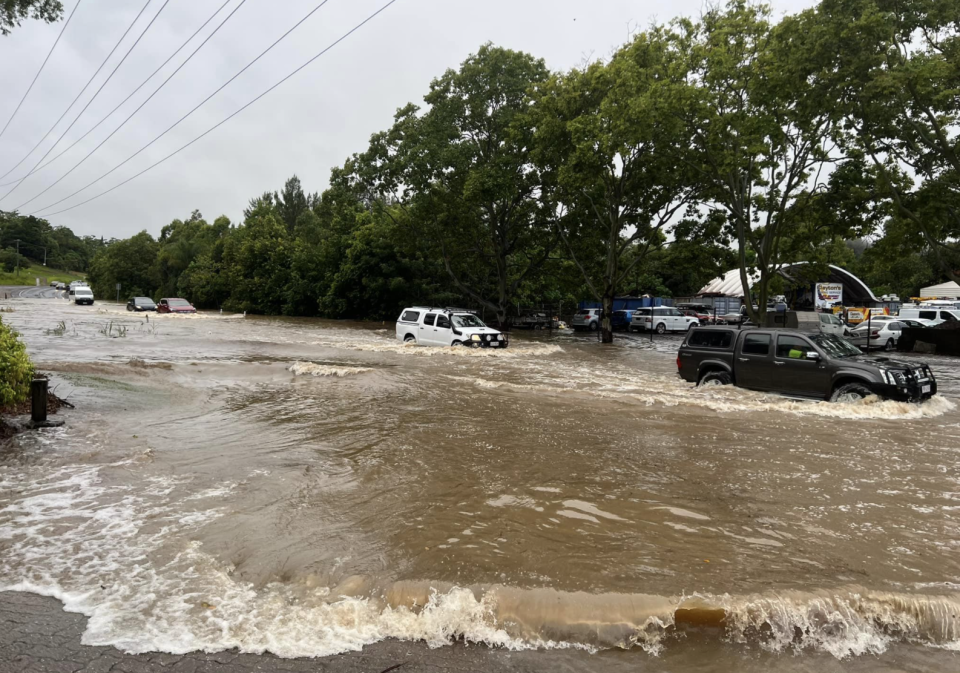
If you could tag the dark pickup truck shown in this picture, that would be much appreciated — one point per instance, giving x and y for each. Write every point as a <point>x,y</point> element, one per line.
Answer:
<point>798,364</point>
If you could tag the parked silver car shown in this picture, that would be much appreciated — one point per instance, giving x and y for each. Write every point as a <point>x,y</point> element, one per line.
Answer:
<point>586,319</point>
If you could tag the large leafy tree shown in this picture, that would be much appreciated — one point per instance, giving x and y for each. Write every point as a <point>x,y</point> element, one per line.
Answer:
<point>12,12</point>
<point>462,171</point>
<point>761,133</point>
<point>611,147</point>
<point>131,262</point>
<point>896,78</point>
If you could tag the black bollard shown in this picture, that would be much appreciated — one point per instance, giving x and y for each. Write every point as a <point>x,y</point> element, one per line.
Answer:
<point>38,393</point>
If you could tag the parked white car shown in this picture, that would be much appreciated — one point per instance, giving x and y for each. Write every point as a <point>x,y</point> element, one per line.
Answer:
<point>586,318</point>
<point>935,315</point>
<point>877,334</point>
<point>662,319</point>
<point>430,326</point>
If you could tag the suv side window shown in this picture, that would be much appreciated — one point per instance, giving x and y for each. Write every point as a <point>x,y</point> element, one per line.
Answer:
<point>756,344</point>
<point>443,321</point>
<point>792,347</point>
<point>430,317</point>
<point>710,339</point>
<point>410,316</point>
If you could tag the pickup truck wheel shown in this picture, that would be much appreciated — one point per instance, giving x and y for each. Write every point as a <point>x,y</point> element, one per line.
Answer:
<point>455,344</point>
<point>714,379</point>
<point>662,328</point>
<point>850,392</point>
<point>129,308</point>
<point>407,339</point>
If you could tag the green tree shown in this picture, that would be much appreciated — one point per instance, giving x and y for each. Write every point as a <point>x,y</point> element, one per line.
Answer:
<point>131,262</point>
<point>896,73</point>
<point>463,172</point>
<point>12,12</point>
<point>755,111</point>
<point>256,261</point>
<point>611,148</point>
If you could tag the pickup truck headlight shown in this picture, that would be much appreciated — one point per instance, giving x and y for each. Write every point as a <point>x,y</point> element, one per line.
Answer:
<point>895,377</point>
<point>499,337</point>
<point>475,337</point>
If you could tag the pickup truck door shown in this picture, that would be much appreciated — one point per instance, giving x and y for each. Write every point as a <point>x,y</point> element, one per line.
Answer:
<point>754,366</point>
<point>443,335</point>
<point>795,374</point>
<point>426,333</point>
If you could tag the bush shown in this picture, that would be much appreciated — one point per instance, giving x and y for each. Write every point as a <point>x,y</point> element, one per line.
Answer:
<point>16,370</point>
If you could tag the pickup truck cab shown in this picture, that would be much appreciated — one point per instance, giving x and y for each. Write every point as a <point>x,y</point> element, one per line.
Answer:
<point>798,364</point>
<point>429,326</point>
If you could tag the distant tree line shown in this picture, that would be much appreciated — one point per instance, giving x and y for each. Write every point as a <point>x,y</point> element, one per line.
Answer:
<point>733,141</point>
<point>39,243</point>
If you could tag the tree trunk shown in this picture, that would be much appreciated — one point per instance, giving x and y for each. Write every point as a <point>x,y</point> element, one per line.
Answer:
<point>606,320</point>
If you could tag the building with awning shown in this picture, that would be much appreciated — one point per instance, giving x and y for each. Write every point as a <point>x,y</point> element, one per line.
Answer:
<point>803,278</point>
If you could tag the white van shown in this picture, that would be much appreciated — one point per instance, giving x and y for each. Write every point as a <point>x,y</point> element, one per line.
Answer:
<point>934,314</point>
<point>82,295</point>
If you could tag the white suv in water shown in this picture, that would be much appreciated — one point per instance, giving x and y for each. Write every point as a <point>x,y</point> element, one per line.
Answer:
<point>446,327</point>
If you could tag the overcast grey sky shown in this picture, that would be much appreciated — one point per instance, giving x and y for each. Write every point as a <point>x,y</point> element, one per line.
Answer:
<point>306,126</point>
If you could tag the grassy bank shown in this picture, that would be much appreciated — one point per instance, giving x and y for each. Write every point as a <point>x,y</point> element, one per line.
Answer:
<point>29,274</point>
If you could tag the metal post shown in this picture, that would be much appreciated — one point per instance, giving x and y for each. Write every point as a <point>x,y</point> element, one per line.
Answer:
<point>869,327</point>
<point>18,256</point>
<point>38,407</point>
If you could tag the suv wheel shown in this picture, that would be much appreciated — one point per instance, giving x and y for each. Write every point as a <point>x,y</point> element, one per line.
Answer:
<point>661,328</point>
<point>714,379</point>
<point>456,343</point>
<point>890,345</point>
<point>692,325</point>
<point>407,339</point>
<point>129,307</point>
<point>593,326</point>
<point>850,392</point>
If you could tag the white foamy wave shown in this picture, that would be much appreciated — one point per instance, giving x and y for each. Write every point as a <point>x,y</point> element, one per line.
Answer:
<point>312,369</point>
<point>514,351</point>
<point>125,560</point>
<point>735,400</point>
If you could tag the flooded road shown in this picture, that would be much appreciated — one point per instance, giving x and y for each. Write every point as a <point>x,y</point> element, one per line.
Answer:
<point>307,487</point>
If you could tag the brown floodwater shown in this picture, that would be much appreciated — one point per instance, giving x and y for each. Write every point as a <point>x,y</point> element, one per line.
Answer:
<point>306,487</point>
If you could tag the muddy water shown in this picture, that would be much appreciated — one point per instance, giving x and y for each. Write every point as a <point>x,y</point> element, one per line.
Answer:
<point>307,487</point>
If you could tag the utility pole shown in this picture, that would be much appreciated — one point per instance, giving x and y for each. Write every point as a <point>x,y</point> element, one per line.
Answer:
<point>18,256</point>
<point>44,255</point>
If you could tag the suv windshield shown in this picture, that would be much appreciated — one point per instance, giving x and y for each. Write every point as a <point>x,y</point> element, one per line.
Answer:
<point>834,346</point>
<point>467,320</point>
<point>178,302</point>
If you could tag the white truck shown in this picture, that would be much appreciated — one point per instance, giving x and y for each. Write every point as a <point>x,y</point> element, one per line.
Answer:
<point>430,326</point>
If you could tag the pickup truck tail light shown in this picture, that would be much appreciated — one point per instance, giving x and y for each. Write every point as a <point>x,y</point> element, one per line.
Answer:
<point>679,364</point>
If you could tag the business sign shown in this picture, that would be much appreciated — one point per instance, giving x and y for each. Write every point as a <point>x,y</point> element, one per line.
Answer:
<point>829,294</point>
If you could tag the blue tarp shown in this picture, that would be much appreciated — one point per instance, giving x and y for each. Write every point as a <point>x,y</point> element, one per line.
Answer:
<point>630,303</point>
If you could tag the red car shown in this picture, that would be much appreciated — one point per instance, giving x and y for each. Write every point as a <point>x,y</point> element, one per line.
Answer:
<point>700,314</point>
<point>175,306</point>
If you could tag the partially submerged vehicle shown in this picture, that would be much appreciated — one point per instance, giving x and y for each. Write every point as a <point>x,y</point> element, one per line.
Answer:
<point>430,326</point>
<point>798,364</point>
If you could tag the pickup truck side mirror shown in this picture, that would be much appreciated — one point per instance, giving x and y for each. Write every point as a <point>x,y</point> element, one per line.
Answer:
<point>813,355</point>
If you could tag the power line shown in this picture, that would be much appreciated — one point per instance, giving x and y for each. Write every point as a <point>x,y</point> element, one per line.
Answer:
<point>92,98</point>
<point>30,88</point>
<point>170,128</point>
<point>221,122</point>
<point>79,94</point>
<point>132,94</point>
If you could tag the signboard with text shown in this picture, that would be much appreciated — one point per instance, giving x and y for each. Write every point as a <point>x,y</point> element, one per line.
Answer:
<point>829,294</point>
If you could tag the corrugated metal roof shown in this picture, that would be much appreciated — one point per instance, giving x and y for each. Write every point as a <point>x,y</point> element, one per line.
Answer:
<point>950,290</point>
